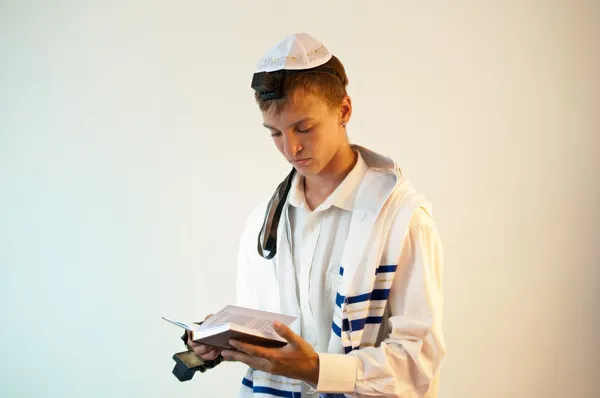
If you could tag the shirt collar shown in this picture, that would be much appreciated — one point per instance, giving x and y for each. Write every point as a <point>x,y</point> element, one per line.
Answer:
<point>343,197</point>
<point>296,196</point>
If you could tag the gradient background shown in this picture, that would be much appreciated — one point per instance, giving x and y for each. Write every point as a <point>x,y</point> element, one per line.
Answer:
<point>131,152</point>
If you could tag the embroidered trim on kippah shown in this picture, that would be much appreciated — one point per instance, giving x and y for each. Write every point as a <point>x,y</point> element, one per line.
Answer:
<point>316,53</point>
<point>273,61</point>
<point>281,61</point>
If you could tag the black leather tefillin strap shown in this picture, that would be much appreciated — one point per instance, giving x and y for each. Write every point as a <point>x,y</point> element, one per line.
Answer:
<point>270,85</point>
<point>267,246</point>
<point>267,238</point>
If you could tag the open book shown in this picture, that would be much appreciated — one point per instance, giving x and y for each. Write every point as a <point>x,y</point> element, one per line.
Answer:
<point>237,323</point>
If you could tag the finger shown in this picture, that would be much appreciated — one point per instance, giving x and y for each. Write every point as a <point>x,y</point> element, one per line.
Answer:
<point>195,345</point>
<point>208,316</point>
<point>201,349</point>
<point>253,350</point>
<point>253,362</point>
<point>287,333</point>
<point>211,355</point>
<point>190,342</point>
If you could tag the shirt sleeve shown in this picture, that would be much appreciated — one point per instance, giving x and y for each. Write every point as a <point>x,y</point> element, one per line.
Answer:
<point>409,357</point>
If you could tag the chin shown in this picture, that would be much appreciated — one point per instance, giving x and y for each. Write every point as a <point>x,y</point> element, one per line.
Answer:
<point>308,171</point>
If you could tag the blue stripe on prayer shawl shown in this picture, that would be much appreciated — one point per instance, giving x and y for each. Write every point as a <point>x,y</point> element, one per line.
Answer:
<point>379,270</point>
<point>359,299</point>
<point>345,325</point>
<point>269,390</point>
<point>377,294</point>
<point>380,294</point>
<point>386,268</point>
<point>336,329</point>
<point>247,383</point>
<point>339,300</point>
<point>276,392</point>
<point>359,324</point>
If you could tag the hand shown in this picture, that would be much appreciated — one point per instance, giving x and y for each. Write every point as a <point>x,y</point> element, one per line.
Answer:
<point>203,351</point>
<point>296,360</point>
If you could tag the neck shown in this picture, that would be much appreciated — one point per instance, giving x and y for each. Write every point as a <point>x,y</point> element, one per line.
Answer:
<point>320,186</point>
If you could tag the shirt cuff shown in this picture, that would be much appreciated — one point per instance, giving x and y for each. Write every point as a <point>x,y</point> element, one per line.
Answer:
<point>337,374</point>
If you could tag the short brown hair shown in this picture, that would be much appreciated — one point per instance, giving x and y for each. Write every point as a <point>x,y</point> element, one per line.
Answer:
<point>332,89</point>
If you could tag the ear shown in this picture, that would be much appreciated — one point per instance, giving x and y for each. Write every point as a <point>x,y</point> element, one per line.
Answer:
<point>346,110</point>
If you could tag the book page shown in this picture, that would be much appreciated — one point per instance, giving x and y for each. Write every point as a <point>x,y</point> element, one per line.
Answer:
<point>183,325</point>
<point>261,321</point>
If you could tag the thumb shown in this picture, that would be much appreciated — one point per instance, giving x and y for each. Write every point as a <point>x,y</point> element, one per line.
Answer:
<point>287,333</point>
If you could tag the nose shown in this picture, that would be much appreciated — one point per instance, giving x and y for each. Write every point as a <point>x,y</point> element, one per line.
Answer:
<point>291,145</point>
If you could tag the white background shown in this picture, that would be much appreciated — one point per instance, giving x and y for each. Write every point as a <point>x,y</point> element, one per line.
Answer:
<point>131,152</point>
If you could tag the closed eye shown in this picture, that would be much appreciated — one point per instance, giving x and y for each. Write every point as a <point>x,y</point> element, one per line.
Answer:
<point>304,130</point>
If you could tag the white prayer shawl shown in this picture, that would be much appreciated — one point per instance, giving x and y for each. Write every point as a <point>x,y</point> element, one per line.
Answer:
<point>380,221</point>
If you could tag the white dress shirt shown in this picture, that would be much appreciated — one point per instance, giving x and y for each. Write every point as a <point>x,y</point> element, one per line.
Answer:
<point>401,346</point>
<point>317,241</point>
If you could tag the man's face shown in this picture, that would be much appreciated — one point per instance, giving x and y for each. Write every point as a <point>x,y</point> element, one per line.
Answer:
<point>307,132</point>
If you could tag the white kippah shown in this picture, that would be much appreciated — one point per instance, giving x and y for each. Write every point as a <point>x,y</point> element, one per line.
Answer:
<point>296,52</point>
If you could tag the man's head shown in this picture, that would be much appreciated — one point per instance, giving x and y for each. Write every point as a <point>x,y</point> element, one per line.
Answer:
<point>301,92</point>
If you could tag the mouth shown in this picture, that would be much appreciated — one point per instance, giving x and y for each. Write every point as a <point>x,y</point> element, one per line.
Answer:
<point>301,162</point>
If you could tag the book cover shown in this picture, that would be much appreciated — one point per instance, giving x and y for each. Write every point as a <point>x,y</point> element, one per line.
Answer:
<point>237,323</point>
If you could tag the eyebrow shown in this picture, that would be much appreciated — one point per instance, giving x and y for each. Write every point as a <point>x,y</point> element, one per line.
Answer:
<point>293,124</point>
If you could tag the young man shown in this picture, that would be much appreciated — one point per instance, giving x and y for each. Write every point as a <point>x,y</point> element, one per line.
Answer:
<point>345,244</point>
